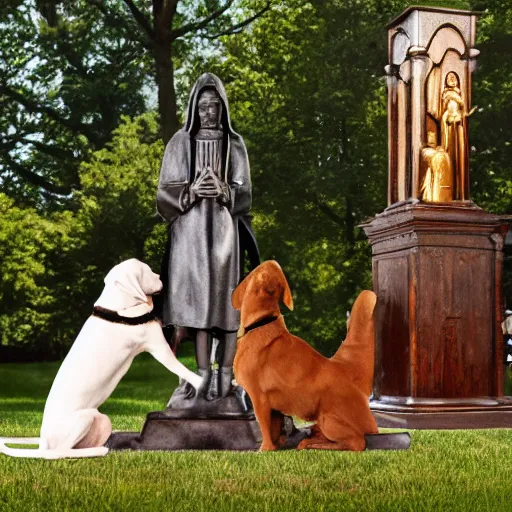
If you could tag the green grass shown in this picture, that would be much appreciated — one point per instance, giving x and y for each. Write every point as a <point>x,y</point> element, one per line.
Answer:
<point>443,470</point>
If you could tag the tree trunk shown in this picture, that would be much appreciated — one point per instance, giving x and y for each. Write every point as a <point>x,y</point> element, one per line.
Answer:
<point>163,16</point>
<point>166,92</point>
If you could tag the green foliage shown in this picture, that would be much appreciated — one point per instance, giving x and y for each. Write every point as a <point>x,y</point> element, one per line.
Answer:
<point>491,155</point>
<point>30,250</point>
<point>53,266</point>
<point>117,196</point>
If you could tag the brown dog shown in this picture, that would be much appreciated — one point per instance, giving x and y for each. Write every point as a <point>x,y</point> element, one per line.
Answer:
<point>284,375</point>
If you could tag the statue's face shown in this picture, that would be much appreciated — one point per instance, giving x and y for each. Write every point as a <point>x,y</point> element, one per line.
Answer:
<point>210,109</point>
<point>452,80</point>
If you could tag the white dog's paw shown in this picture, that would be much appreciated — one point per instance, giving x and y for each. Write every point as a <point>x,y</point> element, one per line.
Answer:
<point>102,451</point>
<point>203,386</point>
<point>76,453</point>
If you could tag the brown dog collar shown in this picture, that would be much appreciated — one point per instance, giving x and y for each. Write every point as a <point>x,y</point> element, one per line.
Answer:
<point>116,318</point>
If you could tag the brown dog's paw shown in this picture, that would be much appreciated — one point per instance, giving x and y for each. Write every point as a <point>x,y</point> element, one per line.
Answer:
<point>305,444</point>
<point>268,447</point>
<point>353,445</point>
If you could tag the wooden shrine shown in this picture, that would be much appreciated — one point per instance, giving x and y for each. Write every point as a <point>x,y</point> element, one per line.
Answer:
<point>437,257</point>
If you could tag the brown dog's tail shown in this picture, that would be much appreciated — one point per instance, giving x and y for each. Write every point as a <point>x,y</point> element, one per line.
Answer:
<point>356,353</point>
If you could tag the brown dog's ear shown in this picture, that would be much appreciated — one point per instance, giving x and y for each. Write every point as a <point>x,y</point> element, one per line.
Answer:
<point>287,295</point>
<point>237,296</point>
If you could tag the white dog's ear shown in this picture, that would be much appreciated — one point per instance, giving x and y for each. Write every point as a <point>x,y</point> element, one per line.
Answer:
<point>132,288</point>
<point>126,278</point>
<point>150,282</point>
<point>130,279</point>
<point>124,291</point>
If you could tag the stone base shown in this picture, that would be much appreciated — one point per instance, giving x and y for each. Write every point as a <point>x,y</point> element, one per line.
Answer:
<point>397,441</point>
<point>398,412</point>
<point>162,432</point>
<point>172,430</point>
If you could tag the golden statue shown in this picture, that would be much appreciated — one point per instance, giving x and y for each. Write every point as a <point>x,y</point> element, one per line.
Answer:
<point>453,131</point>
<point>437,184</point>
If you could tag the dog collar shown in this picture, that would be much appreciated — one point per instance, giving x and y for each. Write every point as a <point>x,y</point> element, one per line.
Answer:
<point>116,318</point>
<point>261,323</point>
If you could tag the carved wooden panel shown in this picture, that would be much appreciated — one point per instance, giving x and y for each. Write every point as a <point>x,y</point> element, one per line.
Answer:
<point>454,312</point>
<point>392,326</point>
<point>445,38</point>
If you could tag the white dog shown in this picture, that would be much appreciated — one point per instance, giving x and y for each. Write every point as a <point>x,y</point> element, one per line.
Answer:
<point>121,327</point>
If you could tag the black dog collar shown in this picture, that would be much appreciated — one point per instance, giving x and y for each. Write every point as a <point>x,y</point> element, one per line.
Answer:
<point>261,323</point>
<point>116,318</point>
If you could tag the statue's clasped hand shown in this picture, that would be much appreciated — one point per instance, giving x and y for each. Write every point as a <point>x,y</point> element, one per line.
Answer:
<point>210,186</point>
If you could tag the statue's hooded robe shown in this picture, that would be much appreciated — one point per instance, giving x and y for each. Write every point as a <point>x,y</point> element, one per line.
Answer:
<point>207,237</point>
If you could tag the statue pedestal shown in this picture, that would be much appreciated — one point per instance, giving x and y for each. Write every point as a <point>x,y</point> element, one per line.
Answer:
<point>196,424</point>
<point>224,424</point>
<point>166,431</point>
<point>439,348</point>
<point>175,430</point>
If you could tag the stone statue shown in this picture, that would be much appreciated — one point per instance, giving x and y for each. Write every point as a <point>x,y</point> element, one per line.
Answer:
<point>204,193</point>
<point>437,184</point>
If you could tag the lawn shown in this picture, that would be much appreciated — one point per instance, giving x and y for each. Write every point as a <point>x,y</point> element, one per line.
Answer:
<point>450,470</point>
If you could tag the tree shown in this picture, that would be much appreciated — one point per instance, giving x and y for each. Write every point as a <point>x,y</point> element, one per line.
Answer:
<point>71,69</point>
<point>65,80</point>
<point>117,197</point>
<point>491,149</point>
<point>307,91</point>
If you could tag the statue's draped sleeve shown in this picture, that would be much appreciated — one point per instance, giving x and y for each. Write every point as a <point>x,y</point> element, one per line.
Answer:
<point>434,92</point>
<point>240,178</point>
<point>174,195</point>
